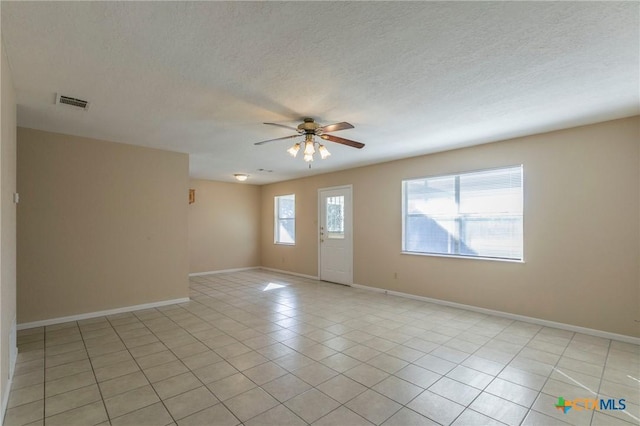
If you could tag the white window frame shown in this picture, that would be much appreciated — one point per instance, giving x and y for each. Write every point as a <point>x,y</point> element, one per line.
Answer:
<point>461,256</point>
<point>278,219</point>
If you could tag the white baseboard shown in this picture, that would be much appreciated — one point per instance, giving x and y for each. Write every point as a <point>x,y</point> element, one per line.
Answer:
<point>532,320</point>
<point>222,271</point>
<point>88,315</point>
<point>281,271</point>
<point>13,346</point>
<point>5,400</point>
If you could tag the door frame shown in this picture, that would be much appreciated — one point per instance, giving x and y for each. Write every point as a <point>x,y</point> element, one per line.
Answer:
<point>350,236</point>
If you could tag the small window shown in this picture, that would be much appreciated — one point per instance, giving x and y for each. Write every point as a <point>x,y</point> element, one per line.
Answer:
<point>477,214</point>
<point>285,214</point>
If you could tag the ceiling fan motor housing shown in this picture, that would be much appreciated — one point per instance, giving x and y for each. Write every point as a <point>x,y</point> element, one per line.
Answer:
<point>309,126</point>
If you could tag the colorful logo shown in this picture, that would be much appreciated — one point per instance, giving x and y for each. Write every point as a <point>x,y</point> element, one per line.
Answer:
<point>563,405</point>
<point>580,404</point>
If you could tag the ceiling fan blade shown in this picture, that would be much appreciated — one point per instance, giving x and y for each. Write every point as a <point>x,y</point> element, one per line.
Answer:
<point>335,127</point>
<point>282,125</point>
<point>277,139</point>
<point>343,141</point>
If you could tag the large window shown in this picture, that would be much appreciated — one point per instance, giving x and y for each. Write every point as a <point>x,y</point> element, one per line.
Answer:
<point>476,214</point>
<point>285,214</point>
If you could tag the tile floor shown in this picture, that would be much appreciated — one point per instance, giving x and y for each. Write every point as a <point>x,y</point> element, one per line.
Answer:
<point>259,348</point>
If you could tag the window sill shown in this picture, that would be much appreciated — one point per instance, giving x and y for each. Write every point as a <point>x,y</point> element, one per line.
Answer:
<point>284,244</point>
<point>453,256</point>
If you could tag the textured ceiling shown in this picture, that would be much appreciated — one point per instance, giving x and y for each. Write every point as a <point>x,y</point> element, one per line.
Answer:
<point>413,78</point>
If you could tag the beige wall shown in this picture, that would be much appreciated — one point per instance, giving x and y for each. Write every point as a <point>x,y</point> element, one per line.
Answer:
<point>101,225</point>
<point>224,226</point>
<point>582,230</point>
<point>7,222</point>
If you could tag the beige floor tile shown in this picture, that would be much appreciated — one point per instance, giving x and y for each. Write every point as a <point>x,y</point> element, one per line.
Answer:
<point>387,363</point>
<point>24,414</point>
<point>534,418</point>
<point>405,353</point>
<point>406,417</point>
<point>312,405</point>
<point>339,343</point>
<point>251,403</point>
<point>435,407</point>
<point>231,386</point>
<point>277,416</point>
<point>29,367</point>
<point>512,392</point>
<point>473,418</point>
<point>148,349</point>
<point>315,373</point>
<point>110,359</point>
<point>265,373</point>
<point>340,362</point>
<point>132,400</point>
<point>201,359</point>
<point>602,419</point>
<point>68,369</point>
<point>234,349</point>
<point>366,375</point>
<point>105,348</point>
<point>66,357</point>
<point>217,415</point>
<point>164,371</point>
<point>418,376</point>
<point>374,407</point>
<point>115,370</point>
<point>435,364</point>
<point>523,378</point>
<point>455,391</point>
<point>69,383</point>
<point>190,350</point>
<point>153,415</point>
<point>397,389</point>
<point>319,333</point>
<point>190,402</point>
<point>123,384</point>
<point>90,414</point>
<point>342,416</point>
<point>286,387</point>
<point>213,372</point>
<point>29,356</point>
<point>247,360</point>
<point>470,377</point>
<point>155,359</point>
<point>318,352</point>
<point>293,361</point>
<point>26,395</point>
<point>176,385</point>
<point>70,400</point>
<point>499,409</point>
<point>361,352</point>
<point>342,388</point>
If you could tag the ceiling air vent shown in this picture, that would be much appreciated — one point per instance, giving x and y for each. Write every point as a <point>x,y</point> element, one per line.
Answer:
<point>67,100</point>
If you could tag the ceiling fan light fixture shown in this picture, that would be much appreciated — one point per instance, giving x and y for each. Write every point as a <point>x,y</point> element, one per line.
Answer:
<point>309,149</point>
<point>293,151</point>
<point>324,152</point>
<point>308,158</point>
<point>241,177</point>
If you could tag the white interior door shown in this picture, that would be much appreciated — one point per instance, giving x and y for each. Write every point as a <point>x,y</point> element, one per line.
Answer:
<point>336,235</point>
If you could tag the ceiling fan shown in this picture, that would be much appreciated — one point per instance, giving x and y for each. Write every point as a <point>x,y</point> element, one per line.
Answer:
<point>309,128</point>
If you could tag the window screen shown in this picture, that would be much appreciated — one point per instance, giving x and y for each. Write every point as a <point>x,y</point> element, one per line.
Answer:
<point>475,214</point>
<point>285,215</point>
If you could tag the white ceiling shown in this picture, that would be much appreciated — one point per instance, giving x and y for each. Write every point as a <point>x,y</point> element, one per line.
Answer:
<point>413,78</point>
